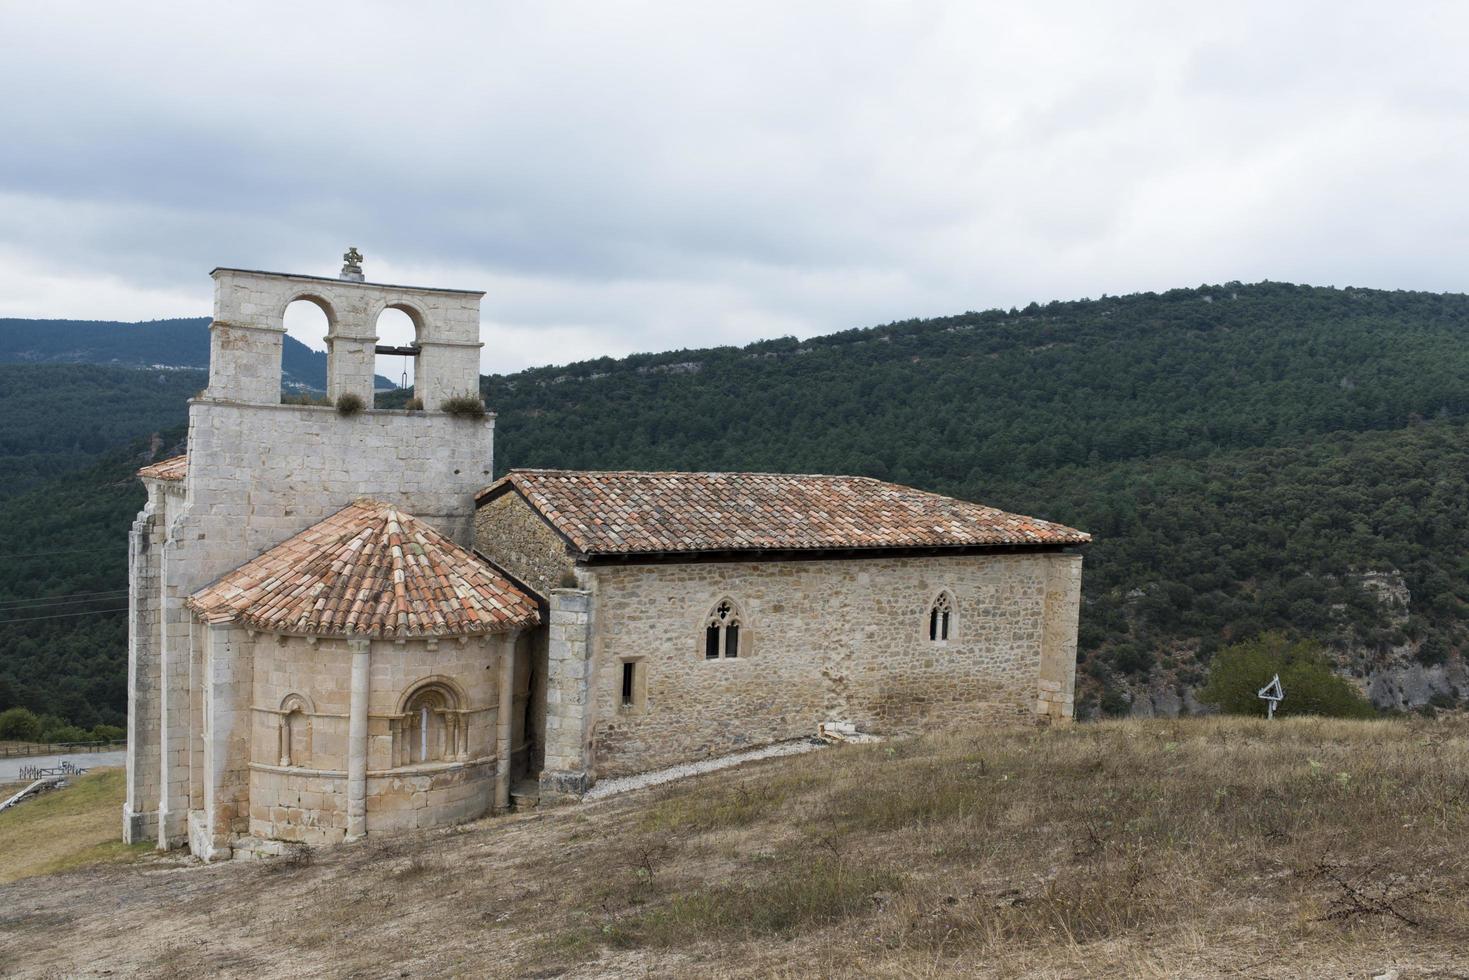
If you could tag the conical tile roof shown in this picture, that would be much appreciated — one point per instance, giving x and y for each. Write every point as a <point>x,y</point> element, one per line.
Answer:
<point>367,570</point>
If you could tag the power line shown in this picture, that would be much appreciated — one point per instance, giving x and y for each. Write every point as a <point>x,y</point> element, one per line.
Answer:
<point>62,599</point>
<point>81,612</point>
<point>74,597</point>
<point>40,554</point>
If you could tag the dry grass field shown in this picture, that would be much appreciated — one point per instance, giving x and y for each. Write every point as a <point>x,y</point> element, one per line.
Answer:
<point>1199,848</point>
<point>64,829</point>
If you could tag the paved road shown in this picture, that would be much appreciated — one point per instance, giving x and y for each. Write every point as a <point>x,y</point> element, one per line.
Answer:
<point>10,768</point>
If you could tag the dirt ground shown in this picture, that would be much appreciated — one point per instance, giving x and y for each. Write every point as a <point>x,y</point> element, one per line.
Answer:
<point>1200,848</point>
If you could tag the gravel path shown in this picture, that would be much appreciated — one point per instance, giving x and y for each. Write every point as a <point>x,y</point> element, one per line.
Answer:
<point>609,787</point>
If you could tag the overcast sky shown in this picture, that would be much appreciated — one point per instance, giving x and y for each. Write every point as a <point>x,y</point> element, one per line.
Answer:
<point>626,177</point>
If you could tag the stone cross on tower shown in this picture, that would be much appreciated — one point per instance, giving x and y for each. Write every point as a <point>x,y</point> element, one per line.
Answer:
<point>352,265</point>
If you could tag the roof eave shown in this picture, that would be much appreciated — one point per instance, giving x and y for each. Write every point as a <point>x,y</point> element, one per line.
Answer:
<point>245,623</point>
<point>800,553</point>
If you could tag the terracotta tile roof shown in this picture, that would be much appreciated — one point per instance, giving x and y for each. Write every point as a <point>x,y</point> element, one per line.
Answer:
<point>368,570</point>
<point>173,468</point>
<point>630,513</point>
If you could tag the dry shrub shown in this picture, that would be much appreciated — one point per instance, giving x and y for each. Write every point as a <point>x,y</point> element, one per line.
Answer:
<point>464,407</point>
<point>349,404</point>
<point>297,857</point>
<point>320,401</point>
<point>419,864</point>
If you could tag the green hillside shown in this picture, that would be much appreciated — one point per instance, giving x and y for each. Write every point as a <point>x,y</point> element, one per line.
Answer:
<point>963,403</point>
<point>63,588</point>
<point>59,418</point>
<point>1248,457</point>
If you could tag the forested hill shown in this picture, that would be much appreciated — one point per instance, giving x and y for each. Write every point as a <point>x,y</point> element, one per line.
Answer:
<point>963,404</point>
<point>1204,435</point>
<point>180,343</point>
<point>1249,457</point>
<point>64,417</point>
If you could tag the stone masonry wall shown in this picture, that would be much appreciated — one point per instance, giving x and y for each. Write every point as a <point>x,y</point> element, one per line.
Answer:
<point>568,697</point>
<point>257,475</point>
<point>510,533</point>
<point>821,640</point>
<point>397,669</point>
<point>307,801</point>
<point>260,473</point>
<point>1057,698</point>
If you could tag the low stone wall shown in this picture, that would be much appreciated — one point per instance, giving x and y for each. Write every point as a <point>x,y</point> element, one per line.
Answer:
<point>298,804</point>
<point>310,806</point>
<point>406,800</point>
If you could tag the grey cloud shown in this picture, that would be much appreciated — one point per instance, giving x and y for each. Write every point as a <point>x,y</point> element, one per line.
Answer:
<point>638,177</point>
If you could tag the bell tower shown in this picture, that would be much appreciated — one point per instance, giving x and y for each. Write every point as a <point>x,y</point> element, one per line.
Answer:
<point>259,471</point>
<point>248,334</point>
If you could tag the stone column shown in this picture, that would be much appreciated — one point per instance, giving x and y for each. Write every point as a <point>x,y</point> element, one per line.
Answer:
<point>357,740</point>
<point>503,726</point>
<point>350,365</point>
<point>1056,694</point>
<point>175,643</point>
<point>568,700</point>
<point>225,684</point>
<point>444,369</point>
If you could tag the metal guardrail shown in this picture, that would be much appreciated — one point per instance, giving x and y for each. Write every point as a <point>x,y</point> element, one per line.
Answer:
<point>59,748</point>
<point>37,772</point>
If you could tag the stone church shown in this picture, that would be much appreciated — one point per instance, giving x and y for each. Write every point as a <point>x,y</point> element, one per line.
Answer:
<point>341,624</point>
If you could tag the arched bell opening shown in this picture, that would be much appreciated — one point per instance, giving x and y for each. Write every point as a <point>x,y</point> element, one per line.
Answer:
<point>399,334</point>
<point>307,319</point>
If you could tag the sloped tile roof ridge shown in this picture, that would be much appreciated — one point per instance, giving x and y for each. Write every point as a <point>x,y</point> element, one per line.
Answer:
<point>173,468</point>
<point>633,511</point>
<point>369,570</point>
<point>802,476</point>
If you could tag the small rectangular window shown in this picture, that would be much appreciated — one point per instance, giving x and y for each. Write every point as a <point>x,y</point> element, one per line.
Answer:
<point>945,630</point>
<point>711,643</point>
<point>732,640</point>
<point>629,669</point>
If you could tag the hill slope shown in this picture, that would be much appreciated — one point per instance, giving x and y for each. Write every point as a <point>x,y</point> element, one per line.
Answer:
<point>1131,849</point>
<point>63,588</point>
<point>60,418</point>
<point>964,403</point>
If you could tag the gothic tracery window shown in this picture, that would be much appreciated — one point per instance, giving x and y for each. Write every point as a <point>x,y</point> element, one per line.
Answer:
<point>941,618</point>
<point>722,632</point>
